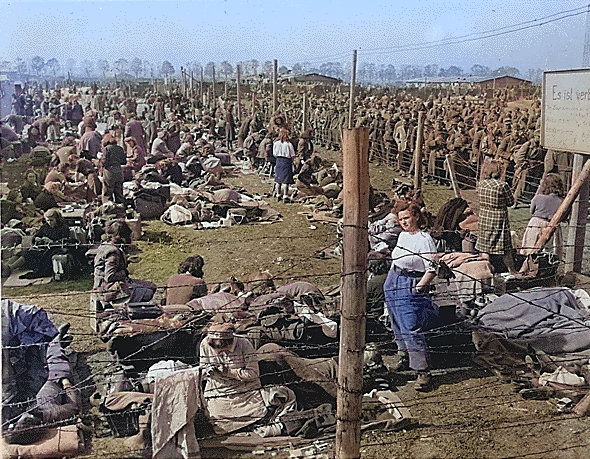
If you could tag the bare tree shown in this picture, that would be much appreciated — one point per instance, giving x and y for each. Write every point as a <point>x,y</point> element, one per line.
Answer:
<point>88,67</point>
<point>136,66</point>
<point>70,65</point>
<point>480,70</point>
<point>167,69</point>
<point>121,65</point>
<point>104,66</point>
<point>226,69</point>
<point>21,66</point>
<point>53,65</point>
<point>37,64</point>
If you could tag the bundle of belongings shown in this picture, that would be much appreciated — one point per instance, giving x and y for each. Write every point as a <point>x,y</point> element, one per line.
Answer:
<point>539,339</point>
<point>218,206</point>
<point>40,404</point>
<point>295,313</point>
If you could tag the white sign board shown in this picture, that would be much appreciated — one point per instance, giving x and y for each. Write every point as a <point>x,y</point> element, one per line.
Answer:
<point>566,111</point>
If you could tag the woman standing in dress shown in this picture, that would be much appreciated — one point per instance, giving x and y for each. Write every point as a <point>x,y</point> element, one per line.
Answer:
<point>284,153</point>
<point>411,310</point>
<point>543,207</point>
<point>493,233</point>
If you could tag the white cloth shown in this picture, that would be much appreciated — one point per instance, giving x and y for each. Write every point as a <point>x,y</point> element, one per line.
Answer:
<point>420,243</point>
<point>177,398</point>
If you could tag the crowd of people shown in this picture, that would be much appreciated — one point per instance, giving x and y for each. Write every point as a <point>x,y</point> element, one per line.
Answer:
<point>93,145</point>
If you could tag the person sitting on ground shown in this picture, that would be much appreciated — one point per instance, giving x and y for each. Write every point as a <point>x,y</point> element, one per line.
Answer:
<point>30,187</point>
<point>60,173</point>
<point>188,284</point>
<point>111,277</point>
<point>135,154</point>
<point>170,169</point>
<point>232,391</point>
<point>49,240</point>
<point>51,194</point>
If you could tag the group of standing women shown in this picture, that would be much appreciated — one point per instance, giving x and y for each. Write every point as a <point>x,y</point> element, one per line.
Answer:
<point>410,308</point>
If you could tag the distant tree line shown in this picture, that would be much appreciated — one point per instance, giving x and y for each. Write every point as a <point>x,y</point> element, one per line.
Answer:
<point>367,73</point>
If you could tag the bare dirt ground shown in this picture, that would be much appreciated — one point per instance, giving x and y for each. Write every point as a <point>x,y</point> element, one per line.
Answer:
<point>469,414</point>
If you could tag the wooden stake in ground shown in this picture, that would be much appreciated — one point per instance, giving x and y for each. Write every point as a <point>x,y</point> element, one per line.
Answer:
<point>304,123</point>
<point>239,91</point>
<point>201,90</point>
<point>450,166</point>
<point>355,170</point>
<point>577,229</point>
<point>213,96</point>
<point>418,153</point>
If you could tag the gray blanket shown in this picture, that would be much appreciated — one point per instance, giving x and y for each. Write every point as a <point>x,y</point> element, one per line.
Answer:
<point>548,319</point>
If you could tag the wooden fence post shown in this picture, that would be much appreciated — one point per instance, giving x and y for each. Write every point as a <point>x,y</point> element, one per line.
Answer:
<point>355,172</point>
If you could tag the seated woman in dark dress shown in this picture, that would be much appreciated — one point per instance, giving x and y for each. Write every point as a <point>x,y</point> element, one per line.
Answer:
<point>30,188</point>
<point>49,240</point>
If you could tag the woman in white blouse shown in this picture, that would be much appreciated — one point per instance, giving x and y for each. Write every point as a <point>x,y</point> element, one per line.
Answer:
<point>411,310</point>
<point>284,152</point>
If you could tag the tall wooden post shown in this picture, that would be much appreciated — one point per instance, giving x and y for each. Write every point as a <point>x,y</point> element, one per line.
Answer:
<point>225,88</point>
<point>355,171</point>
<point>239,90</point>
<point>579,215</point>
<point>213,95</point>
<point>201,90</point>
<point>192,87</point>
<point>304,123</point>
<point>352,85</point>
<point>418,152</point>
<point>274,86</point>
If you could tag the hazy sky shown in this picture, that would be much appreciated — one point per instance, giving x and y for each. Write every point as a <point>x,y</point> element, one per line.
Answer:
<point>295,31</point>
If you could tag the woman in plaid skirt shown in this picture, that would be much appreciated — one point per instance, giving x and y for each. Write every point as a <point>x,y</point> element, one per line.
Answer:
<point>493,234</point>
